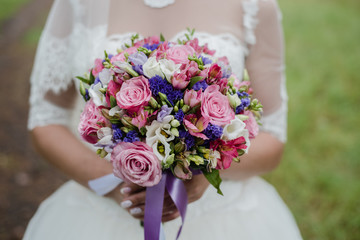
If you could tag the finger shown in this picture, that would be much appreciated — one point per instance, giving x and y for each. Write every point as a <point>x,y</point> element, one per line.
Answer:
<point>170,216</point>
<point>128,188</point>
<point>133,200</point>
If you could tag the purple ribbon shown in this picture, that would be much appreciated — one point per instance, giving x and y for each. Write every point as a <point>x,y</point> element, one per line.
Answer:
<point>155,200</point>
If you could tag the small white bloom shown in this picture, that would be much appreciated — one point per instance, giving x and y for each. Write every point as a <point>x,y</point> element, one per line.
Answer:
<point>213,157</point>
<point>168,68</point>
<point>152,68</point>
<point>235,129</point>
<point>116,111</point>
<point>105,76</point>
<point>234,100</point>
<point>105,135</point>
<point>97,96</point>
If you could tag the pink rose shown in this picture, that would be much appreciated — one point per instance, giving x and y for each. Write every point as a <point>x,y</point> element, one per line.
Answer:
<point>192,97</point>
<point>98,67</point>
<point>91,120</point>
<point>228,150</point>
<point>121,56</point>
<point>216,107</point>
<point>196,126</point>
<point>135,162</point>
<point>179,53</point>
<point>251,124</point>
<point>134,94</point>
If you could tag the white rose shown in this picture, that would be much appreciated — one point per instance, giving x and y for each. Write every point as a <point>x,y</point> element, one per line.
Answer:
<point>105,76</point>
<point>97,96</point>
<point>152,68</point>
<point>235,129</point>
<point>168,68</point>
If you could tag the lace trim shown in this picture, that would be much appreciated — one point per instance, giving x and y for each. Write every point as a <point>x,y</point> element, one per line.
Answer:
<point>158,3</point>
<point>251,9</point>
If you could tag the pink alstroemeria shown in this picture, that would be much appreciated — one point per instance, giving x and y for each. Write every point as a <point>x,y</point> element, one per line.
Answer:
<point>192,97</point>
<point>161,50</point>
<point>214,74</point>
<point>187,71</point>
<point>180,80</point>
<point>112,89</point>
<point>228,150</point>
<point>141,119</point>
<point>194,43</point>
<point>121,56</point>
<point>98,67</point>
<point>196,126</point>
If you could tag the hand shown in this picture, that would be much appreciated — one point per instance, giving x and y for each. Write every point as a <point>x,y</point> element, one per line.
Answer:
<point>196,187</point>
<point>132,198</point>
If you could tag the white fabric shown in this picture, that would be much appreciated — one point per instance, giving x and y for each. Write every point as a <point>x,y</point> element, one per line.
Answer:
<point>158,3</point>
<point>248,32</point>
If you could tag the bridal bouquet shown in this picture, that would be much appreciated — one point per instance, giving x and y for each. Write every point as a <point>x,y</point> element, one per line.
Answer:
<point>163,107</point>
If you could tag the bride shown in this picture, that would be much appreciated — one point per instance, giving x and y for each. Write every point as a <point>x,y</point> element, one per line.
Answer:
<point>248,32</point>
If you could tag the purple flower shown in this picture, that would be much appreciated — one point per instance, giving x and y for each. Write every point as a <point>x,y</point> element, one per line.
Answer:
<point>151,47</point>
<point>188,138</point>
<point>200,85</point>
<point>138,58</point>
<point>132,136</point>
<point>245,102</point>
<point>165,111</point>
<point>180,116</point>
<point>118,134</point>
<point>213,132</point>
<point>242,94</point>
<point>158,84</point>
<point>206,60</point>
<point>226,70</point>
<point>97,80</point>
<point>138,69</point>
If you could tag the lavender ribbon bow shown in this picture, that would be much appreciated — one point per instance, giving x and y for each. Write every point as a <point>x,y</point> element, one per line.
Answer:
<point>154,204</point>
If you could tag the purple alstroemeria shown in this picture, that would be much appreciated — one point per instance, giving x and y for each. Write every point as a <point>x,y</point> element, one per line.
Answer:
<point>226,70</point>
<point>138,58</point>
<point>206,60</point>
<point>164,112</point>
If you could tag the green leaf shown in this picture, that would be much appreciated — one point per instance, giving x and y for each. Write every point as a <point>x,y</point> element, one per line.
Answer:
<point>214,179</point>
<point>143,131</point>
<point>194,80</point>
<point>113,102</point>
<point>162,38</point>
<point>84,80</point>
<point>92,78</point>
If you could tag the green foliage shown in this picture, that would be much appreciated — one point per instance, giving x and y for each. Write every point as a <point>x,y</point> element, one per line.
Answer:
<point>319,175</point>
<point>9,7</point>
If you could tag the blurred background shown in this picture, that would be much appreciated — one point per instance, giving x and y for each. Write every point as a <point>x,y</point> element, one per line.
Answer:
<point>319,177</point>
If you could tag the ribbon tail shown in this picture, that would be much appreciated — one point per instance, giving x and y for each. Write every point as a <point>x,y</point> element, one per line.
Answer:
<point>177,192</point>
<point>104,184</point>
<point>154,202</point>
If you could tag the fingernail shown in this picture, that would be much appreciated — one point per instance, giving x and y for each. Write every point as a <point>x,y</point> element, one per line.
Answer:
<point>125,190</point>
<point>126,204</point>
<point>135,211</point>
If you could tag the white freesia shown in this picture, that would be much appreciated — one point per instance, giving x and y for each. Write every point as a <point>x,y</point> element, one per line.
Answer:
<point>213,157</point>
<point>116,111</point>
<point>97,96</point>
<point>105,135</point>
<point>105,76</point>
<point>168,68</point>
<point>159,133</point>
<point>152,68</point>
<point>235,129</point>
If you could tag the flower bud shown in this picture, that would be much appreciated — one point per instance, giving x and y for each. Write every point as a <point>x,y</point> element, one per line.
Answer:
<point>126,121</point>
<point>153,103</point>
<point>242,117</point>
<point>196,159</point>
<point>175,123</point>
<point>101,152</point>
<point>185,108</point>
<point>246,75</point>
<point>234,100</point>
<point>170,159</point>
<point>179,147</point>
<point>175,132</point>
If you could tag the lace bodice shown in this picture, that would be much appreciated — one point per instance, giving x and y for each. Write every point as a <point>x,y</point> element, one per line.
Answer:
<point>68,47</point>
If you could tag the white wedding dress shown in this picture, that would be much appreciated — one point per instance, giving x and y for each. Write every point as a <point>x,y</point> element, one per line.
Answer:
<point>248,32</point>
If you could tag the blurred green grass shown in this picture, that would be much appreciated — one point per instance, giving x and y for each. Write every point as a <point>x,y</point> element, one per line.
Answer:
<point>9,7</point>
<point>319,175</point>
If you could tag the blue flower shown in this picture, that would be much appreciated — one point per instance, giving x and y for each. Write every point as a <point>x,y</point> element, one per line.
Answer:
<point>188,138</point>
<point>151,47</point>
<point>213,132</point>
<point>138,58</point>
<point>245,102</point>
<point>158,84</point>
<point>118,134</point>
<point>165,111</point>
<point>200,85</point>
<point>206,60</point>
<point>132,136</point>
<point>138,69</point>
<point>180,116</point>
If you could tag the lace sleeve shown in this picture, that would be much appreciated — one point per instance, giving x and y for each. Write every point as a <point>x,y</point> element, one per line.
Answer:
<point>265,64</point>
<point>51,78</point>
